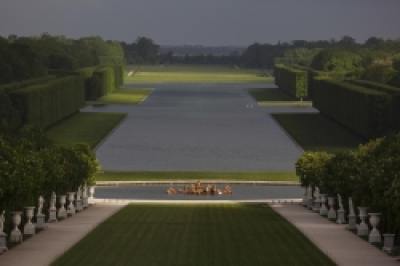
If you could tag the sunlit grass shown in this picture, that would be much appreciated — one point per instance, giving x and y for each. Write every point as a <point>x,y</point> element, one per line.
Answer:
<point>195,235</point>
<point>89,128</point>
<point>194,74</point>
<point>126,96</point>
<point>185,175</point>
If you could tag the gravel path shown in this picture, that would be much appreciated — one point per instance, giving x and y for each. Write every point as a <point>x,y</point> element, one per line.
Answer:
<point>198,127</point>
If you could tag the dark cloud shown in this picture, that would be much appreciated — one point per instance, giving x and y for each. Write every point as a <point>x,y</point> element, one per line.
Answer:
<point>210,22</point>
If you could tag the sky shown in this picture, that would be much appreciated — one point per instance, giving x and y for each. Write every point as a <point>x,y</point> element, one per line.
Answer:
<point>203,22</point>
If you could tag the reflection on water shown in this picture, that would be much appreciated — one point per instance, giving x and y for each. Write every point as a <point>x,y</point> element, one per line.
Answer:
<point>158,192</point>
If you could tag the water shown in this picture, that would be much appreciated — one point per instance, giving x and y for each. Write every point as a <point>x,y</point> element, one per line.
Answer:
<point>158,192</point>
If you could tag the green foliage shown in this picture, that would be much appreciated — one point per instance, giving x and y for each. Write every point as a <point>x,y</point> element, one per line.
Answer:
<point>379,73</point>
<point>293,81</point>
<point>31,166</point>
<point>396,62</point>
<point>310,167</point>
<point>44,104</point>
<point>370,175</point>
<point>338,60</point>
<point>363,110</point>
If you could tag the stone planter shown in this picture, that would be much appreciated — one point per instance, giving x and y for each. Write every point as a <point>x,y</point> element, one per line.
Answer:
<point>374,235</point>
<point>331,212</point>
<point>71,207</point>
<point>62,212</point>
<point>16,235</point>
<point>323,211</point>
<point>362,228</point>
<point>388,242</point>
<point>29,228</point>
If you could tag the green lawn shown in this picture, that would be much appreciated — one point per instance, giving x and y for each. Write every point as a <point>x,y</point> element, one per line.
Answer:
<point>195,74</point>
<point>84,127</point>
<point>195,235</point>
<point>314,132</point>
<point>275,97</point>
<point>162,176</point>
<point>125,96</point>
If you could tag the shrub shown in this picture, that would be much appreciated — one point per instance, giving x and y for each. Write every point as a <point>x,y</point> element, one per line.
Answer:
<point>370,175</point>
<point>311,166</point>
<point>31,166</point>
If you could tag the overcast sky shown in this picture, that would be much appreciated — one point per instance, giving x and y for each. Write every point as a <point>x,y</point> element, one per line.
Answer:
<point>207,22</point>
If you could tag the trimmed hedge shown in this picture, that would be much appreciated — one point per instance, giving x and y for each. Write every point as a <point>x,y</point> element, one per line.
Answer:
<point>18,85</point>
<point>101,80</point>
<point>44,104</point>
<point>293,81</point>
<point>394,115</point>
<point>101,83</point>
<point>363,110</point>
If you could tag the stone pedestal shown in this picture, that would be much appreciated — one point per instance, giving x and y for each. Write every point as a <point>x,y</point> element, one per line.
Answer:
<point>71,207</point>
<point>388,242</point>
<point>16,235</point>
<point>323,211</point>
<point>40,221</point>
<point>29,228</point>
<point>352,222</point>
<point>3,242</point>
<point>341,218</point>
<point>79,206</point>
<point>52,215</point>
<point>331,212</point>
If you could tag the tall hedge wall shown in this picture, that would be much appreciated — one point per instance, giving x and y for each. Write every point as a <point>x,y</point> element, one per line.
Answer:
<point>46,103</point>
<point>293,81</point>
<point>361,109</point>
<point>101,83</point>
<point>101,80</point>
<point>394,116</point>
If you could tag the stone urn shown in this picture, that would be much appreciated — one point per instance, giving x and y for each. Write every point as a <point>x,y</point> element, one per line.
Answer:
<point>62,212</point>
<point>29,228</point>
<point>71,207</point>
<point>317,200</point>
<point>362,228</point>
<point>388,242</point>
<point>374,236</point>
<point>323,211</point>
<point>16,235</point>
<point>331,211</point>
